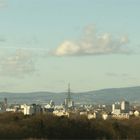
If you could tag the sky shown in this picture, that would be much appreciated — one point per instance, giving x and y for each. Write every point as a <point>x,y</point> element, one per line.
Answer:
<point>46,44</point>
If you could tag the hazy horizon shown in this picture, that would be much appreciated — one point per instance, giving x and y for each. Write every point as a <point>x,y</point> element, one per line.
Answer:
<point>66,90</point>
<point>92,44</point>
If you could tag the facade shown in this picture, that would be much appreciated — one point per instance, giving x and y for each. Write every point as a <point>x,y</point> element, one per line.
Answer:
<point>104,116</point>
<point>121,116</point>
<point>125,106</point>
<point>119,108</point>
<point>61,113</point>
<point>116,108</point>
<point>137,113</point>
<point>91,116</point>
<point>31,109</point>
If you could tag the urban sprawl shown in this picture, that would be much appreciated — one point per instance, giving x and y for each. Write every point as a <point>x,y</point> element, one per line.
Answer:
<point>118,110</point>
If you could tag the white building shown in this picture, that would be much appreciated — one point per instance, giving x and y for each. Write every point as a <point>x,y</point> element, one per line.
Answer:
<point>119,108</point>
<point>30,109</point>
<point>104,116</point>
<point>27,109</point>
<point>61,113</point>
<point>121,116</point>
<point>59,107</point>
<point>83,113</point>
<point>116,108</point>
<point>10,110</point>
<point>136,113</point>
<point>91,116</point>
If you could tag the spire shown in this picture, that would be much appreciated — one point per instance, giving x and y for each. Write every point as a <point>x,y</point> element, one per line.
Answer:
<point>69,96</point>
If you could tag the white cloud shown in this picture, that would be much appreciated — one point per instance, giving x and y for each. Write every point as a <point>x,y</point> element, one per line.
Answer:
<point>93,43</point>
<point>67,48</point>
<point>18,64</point>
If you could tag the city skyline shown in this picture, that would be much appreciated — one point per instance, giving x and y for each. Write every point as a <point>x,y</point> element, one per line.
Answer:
<point>92,44</point>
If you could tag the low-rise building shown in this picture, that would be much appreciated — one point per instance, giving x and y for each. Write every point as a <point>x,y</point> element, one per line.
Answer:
<point>136,113</point>
<point>61,113</point>
<point>121,116</point>
<point>91,116</point>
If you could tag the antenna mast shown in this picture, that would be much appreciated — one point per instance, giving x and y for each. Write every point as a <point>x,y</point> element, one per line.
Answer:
<point>69,96</point>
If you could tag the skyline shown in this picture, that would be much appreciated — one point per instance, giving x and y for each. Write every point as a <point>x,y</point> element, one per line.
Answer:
<point>92,44</point>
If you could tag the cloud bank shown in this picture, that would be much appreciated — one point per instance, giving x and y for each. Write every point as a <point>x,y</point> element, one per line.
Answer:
<point>93,43</point>
<point>18,64</point>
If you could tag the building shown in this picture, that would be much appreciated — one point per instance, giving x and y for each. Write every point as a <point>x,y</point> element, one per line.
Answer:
<point>118,108</point>
<point>125,108</point>
<point>104,116</point>
<point>61,113</point>
<point>49,107</point>
<point>31,109</point>
<point>136,113</point>
<point>121,116</point>
<point>52,104</point>
<point>3,105</point>
<point>91,116</point>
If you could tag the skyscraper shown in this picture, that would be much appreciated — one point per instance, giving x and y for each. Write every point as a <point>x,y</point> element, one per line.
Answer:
<point>125,106</point>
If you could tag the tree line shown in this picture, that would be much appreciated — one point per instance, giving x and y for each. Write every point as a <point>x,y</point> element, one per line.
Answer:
<point>48,126</point>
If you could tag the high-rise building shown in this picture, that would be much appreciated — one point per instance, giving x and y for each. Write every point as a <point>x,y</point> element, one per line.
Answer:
<point>125,106</point>
<point>5,103</point>
<point>118,108</point>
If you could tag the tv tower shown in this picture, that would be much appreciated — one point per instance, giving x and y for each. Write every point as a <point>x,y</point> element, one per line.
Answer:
<point>69,104</point>
<point>69,91</point>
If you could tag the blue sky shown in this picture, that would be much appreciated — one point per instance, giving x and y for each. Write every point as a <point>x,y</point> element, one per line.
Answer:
<point>45,44</point>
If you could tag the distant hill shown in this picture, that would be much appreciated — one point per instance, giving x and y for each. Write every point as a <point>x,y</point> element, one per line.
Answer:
<point>131,94</point>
